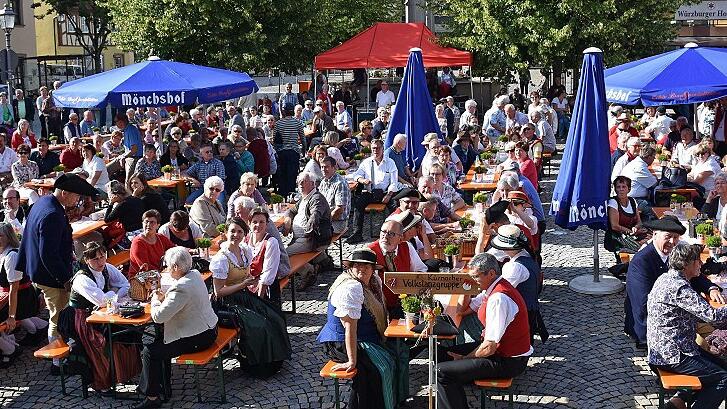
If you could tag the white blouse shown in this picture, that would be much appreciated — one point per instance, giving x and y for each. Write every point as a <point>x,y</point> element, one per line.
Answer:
<point>219,264</point>
<point>348,299</point>
<point>92,290</point>
<point>10,261</point>
<point>271,259</point>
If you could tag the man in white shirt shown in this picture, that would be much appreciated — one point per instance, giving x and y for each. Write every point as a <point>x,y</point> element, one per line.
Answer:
<point>7,158</point>
<point>544,131</point>
<point>633,148</point>
<point>505,346</point>
<point>470,107</point>
<point>377,178</point>
<point>385,97</point>
<point>641,180</point>
<point>682,153</point>
<point>343,118</point>
<point>659,127</point>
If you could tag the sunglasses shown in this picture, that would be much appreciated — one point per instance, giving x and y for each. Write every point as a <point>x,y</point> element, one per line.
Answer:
<point>215,189</point>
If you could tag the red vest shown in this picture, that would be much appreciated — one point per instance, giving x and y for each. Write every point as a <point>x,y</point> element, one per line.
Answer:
<point>402,262</point>
<point>516,340</point>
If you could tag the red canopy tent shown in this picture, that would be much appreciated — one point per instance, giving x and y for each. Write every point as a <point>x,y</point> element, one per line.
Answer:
<point>385,45</point>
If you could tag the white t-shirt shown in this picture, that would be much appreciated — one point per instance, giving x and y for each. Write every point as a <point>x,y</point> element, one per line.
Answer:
<point>710,165</point>
<point>614,205</point>
<point>96,165</point>
<point>385,98</point>
<point>10,260</point>
<point>560,105</point>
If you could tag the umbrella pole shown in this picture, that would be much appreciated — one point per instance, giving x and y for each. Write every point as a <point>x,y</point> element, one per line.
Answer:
<point>696,122</point>
<point>596,261</point>
<point>368,90</point>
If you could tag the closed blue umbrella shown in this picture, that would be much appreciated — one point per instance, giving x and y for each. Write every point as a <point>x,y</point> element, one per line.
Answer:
<point>688,75</point>
<point>413,111</point>
<point>582,188</point>
<point>155,83</point>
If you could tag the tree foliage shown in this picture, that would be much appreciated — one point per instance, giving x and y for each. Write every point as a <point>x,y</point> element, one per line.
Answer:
<point>512,35</point>
<point>243,35</point>
<point>91,31</point>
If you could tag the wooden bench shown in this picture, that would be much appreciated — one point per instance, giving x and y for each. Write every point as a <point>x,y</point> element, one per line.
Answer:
<point>374,208</point>
<point>217,352</point>
<point>297,261</point>
<point>503,384</point>
<point>338,238</point>
<point>326,372</point>
<point>119,259</point>
<point>58,349</point>
<point>546,158</point>
<point>669,381</point>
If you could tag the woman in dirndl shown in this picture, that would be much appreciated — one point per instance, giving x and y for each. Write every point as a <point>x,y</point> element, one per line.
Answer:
<point>95,285</point>
<point>354,333</point>
<point>18,300</point>
<point>265,256</point>
<point>266,344</point>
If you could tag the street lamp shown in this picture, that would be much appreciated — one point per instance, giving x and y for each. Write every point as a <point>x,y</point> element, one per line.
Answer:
<point>7,24</point>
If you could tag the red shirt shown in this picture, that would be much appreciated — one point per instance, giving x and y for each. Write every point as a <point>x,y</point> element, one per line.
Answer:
<point>17,140</point>
<point>613,136</point>
<point>259,150</point>
<point>142,253</point>
<point>530,171</point>
<point>71,159</point>
<point>402,262</point>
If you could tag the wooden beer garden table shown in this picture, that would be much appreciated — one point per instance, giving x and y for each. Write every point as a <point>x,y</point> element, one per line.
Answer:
<point>46,184</point>
<point>468,183</point>
<point>178,186</point>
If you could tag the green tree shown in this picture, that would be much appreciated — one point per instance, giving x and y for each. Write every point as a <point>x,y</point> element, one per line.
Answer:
<point>243,35</point>
<point>90,22</point>
<point>508,36</point>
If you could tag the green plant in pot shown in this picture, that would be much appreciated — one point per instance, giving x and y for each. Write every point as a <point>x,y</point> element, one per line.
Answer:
<point>59,168</point>
<point>366,150</point>
<point>713,243</point>
<point>465,222</point>
<point>451,251</point>
<point>341,172</point>
<point>276,200</point>
<point>204,244</point>
<point>703,230</point>
<point>53,139</point>
<point>411,305</point>
<point>167,170</point>
<point>222,228</point>
<point>503,138</point>
<point>480,199</point>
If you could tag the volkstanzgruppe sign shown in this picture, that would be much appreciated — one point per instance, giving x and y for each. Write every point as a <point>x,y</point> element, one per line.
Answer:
<point>436,283</point>
<point>706,10</point>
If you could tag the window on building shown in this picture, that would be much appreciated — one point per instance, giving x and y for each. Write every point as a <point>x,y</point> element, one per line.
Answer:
<point>66,27</point>
<point>18,9</point>
<point>118,60</point>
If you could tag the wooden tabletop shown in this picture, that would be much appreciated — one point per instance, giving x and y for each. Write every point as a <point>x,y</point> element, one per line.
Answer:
<point>59,147</point>
<point>469,185</point>
<point>165,183</point>
<point>46,183</point>
<point>689,213</point>
<point>100,317</point>
<point>398,329</point>
<point>81,229</point>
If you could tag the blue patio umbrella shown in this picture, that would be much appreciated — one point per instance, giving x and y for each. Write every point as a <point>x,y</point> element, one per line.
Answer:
<point>582,188</point>
<point>688,75</point>
<point>154,83</point>
<point>413,111</point>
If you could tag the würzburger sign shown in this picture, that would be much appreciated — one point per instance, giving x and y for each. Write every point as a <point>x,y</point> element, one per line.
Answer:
<point>153,99</point>
<point>706,10</point>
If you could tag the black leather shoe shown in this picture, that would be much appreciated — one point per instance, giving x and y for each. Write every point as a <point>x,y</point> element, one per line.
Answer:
<point>641,345</point>
<point>55,370</point>
<point>32,339</point>
<point>148,403</point>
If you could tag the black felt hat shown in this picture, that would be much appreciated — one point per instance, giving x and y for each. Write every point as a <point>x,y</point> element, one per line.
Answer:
<point>667,223</point>
<point>493,212</point>
<point>74,184</point>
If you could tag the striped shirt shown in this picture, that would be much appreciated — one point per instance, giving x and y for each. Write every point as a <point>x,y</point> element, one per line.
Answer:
<point>290,130</point>
<point>287,98</point>
<point>337,193</point>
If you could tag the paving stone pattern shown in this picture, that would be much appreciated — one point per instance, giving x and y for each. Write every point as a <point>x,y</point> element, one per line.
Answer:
<point>587,363</point>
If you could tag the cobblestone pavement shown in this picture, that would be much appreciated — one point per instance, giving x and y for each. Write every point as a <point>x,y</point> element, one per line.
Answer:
<point>587,363</point>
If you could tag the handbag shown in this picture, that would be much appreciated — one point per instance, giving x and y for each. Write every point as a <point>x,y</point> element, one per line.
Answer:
<point>443,326</point>
<point>131,310</point>
<point>676,176</point>
<point>200,264</point>
<point>142,285</point>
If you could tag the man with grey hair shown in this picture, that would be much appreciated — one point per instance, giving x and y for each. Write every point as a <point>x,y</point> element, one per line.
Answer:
<point>343,118</point>
<point>504,348</point>
<point>395,152</point>
<point>641,177</point>
<point>243,207</point>
<point>620,148</point>
<point>334,188</point>
<point>514,118</point>
<point>495,120</point>
<point>307,113</point>
<point>470,110</point>
<point>633,149</point>
<point>72,129</point>
<point>543,130</point>
<point>310,223</point>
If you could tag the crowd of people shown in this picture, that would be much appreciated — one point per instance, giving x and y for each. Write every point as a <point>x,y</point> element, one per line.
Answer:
<point>233,159</point>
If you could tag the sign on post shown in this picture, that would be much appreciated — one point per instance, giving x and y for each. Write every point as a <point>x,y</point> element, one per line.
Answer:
<point>705,10</point>
<point>436,283</point>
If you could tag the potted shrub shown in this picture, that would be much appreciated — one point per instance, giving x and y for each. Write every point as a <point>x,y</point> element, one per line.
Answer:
<point>204,244</point>
<point>100,155</point>
<point>451,251</point>
<point>703,230</point>
<point>222,228</point>
<point>365,151</point>
<point>480,199</point>
<point>59,169</point>
<point>167,170</point>
<point>358,158</point>
<point>663,159</point>
<point>411,306</point>
<point>488,157</point>
<point>53,139</point>
<point>96,130</point>
<point>713,243</point>
<point>503,139</point>
<point>276,200</point>
<point>341,172</point>
<point>465,222</point>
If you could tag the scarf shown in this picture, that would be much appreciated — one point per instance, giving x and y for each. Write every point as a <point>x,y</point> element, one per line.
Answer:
<point>373,297</point>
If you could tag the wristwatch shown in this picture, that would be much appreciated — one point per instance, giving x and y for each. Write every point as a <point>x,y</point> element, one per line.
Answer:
<point>11,316</point>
